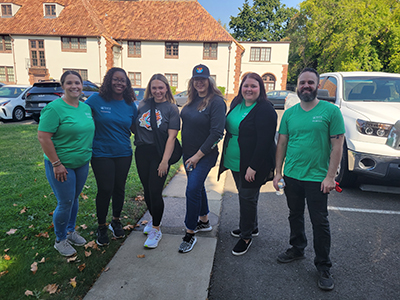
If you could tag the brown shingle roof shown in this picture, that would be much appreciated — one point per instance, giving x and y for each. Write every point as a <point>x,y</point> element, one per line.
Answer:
<point>121,20</point>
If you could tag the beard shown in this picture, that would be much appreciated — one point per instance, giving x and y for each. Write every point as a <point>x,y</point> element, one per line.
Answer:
<point>307,97</point>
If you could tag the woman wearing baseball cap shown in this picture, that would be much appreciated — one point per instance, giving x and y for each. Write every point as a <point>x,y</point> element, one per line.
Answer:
<point>203,123</point>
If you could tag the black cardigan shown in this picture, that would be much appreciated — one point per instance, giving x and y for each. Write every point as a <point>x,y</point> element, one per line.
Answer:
<point>256,142</point>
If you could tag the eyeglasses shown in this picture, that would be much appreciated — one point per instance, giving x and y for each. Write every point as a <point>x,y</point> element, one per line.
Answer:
<point>116,80</point>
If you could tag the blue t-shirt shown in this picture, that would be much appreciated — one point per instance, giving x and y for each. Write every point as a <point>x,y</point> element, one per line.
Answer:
<point>113,120</point>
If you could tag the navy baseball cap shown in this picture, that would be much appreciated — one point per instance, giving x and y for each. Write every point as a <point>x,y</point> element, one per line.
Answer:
<point>201,71</point>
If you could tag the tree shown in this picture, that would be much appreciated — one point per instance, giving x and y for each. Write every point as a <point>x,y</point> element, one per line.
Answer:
<point>265,20</point>
<point>223,25</point>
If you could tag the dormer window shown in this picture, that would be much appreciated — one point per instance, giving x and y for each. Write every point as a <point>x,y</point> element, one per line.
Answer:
<point>6,10</point>
<point>52,10</point>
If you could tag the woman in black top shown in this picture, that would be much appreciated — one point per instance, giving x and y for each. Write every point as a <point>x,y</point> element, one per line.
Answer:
<point>249,152</point>
<point>203,122</point>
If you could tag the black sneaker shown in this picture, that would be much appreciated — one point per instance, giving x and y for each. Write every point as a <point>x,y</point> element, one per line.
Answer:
<point>102,236</point>
<point>116,228</point>
<point>241,247</point>
<point>236,233</point>
<point>201,226</point>
<point>325,281</point>
<point>290,255</point>
<point>189,240</point>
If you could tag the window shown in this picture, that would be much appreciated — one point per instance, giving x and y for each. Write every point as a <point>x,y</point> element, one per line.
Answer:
<point>36,48</point>
<point>134,49</point>
<point>260,54</point>
<point>50,10</point>
<point>7,74</point>
<point>73,44</point>
<point>135,78</point>
<point>210,50</point>
<point>82,72</point>
<point>5,44</point>
<point>171,50</point>
<point>6,10</point>
<point>172,79</point>
<point>269,82</point>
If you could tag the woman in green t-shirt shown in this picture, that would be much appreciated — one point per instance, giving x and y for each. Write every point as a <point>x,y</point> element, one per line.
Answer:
<point>249,151</point>
<point>66,132</point>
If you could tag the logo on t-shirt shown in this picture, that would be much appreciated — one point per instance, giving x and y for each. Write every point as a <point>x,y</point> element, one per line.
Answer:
<point>105,109</point>
<point>317,119</point>
<point>144,120</point>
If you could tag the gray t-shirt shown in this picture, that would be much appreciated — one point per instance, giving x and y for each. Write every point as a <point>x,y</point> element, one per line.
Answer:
<point>167,118</point>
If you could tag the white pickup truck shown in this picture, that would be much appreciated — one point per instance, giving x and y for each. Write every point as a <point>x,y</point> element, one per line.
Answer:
<point>370,105</point>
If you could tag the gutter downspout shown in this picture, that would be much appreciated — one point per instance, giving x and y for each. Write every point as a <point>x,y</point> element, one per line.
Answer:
<point>14,62</point>
<point>229,65</point>
<point>99,43</point>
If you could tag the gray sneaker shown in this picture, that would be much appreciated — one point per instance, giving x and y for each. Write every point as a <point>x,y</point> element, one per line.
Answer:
<point>64,248</point>
<point>188,243</point>
<point>75,238</point>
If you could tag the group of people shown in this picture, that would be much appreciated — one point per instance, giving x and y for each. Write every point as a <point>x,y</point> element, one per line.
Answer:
<point>73,133</point>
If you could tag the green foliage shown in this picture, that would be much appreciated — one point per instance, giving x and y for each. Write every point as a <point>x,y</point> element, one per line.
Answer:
<point>222,89</point>
<point>264,20</point>
<point>350,35</point>
<point>173,90</point>
<point>24,187</point>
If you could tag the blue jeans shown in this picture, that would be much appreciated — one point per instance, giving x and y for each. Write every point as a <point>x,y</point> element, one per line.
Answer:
<point>297,193</point>
<point>67,194</point>
<point>196,197</point>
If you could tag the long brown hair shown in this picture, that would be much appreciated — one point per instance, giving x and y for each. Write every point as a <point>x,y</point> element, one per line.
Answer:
<point>168,95</point>
<point>212,91</point>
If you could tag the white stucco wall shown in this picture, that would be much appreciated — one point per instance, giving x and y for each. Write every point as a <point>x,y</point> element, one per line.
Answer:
<point>279,58</point>
<point>153,61</point>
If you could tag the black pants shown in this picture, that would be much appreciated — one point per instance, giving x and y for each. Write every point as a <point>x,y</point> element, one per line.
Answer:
<point>110,174</point>
<point>147,162</point>
<point>317,203</point>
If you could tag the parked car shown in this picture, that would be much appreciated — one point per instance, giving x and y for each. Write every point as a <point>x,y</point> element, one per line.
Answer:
<point>139,94</point>
<point>278,98</point>
<point>370,105</point>
<point>181,98</point>
<point>12,102</point>
<point>89,88</point>
<point>42,93</point>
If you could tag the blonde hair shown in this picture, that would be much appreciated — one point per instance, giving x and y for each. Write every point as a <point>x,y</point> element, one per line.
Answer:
<point>212,91</point>
<point>168,95</point>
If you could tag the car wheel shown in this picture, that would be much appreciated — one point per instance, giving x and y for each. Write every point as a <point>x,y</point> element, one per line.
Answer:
<point>36,117</point>
<point>344,177</point>
<point>18,114</point>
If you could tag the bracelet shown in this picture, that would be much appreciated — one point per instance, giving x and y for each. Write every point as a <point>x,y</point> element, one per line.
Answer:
<point>56,163</point>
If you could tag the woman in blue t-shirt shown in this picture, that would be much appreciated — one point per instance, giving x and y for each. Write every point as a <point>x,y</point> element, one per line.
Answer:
<point>114,113</point>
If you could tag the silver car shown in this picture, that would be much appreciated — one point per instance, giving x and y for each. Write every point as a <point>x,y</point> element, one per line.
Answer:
<point>12,102</point>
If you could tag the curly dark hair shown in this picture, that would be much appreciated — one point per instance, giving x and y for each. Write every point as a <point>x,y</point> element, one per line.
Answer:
<point>106,91</point>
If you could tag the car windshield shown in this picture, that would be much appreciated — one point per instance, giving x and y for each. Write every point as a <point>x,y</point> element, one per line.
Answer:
<point>380,89</point>
<point>10,92</point>
<point>139,93</point>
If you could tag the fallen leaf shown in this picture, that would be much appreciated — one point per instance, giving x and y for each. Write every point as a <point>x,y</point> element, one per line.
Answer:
<point>106,269</point>
<point>72,282</point>
<point>28,293</point>
<point>91,233</point>
<point>54,273</point>
<point>125,217</point>
<point>88,253</point>
<point>25,238</point>
<point>90,244</point>
<point>45,196</point>
<point>81,267</point>
<point>15,204</point>
<point>35,179</point>
<point>93,215</point>
<point>51,213</point>
<point>11,231</point>
<point>51,288</point>
<point>20,195</point>
<point>83,226</point>
<point>137,225</point>
<point>140,256</point>
<point>139,198</point>
<point>128,227</point>
<point>42,260</point>
<point>36,254</point>
<point>51,226</point>
<point>144,222</point>
<point>23,210</point>
<point>31,226</point>
<point>6,250</point>
<point>84,197</point>
<point>43,234</point>
<point>3,273</point>
<point>104,251</point>
<point>72,258</point>
<point>34,267</point>
<point>7,257</point>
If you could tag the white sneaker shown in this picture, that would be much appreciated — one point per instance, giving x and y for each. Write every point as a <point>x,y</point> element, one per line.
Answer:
<point>153,238</point>
<point>64,248</point>
<point>148,227</point>
<point>76,239</point>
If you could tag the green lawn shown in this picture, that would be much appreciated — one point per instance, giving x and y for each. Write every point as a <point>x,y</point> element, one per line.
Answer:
<point>27,203</point>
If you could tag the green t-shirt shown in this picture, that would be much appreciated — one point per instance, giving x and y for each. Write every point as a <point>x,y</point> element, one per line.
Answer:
<point>73,129</point>
<point>232,152</point>
<point>309,145</point>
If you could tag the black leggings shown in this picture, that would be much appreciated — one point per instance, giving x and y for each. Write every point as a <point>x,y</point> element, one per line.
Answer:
<point>110,174</point>
<point>147,162</point>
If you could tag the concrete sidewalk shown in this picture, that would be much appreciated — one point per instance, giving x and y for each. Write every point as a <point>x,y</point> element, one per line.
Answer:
<point>164,273</point>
